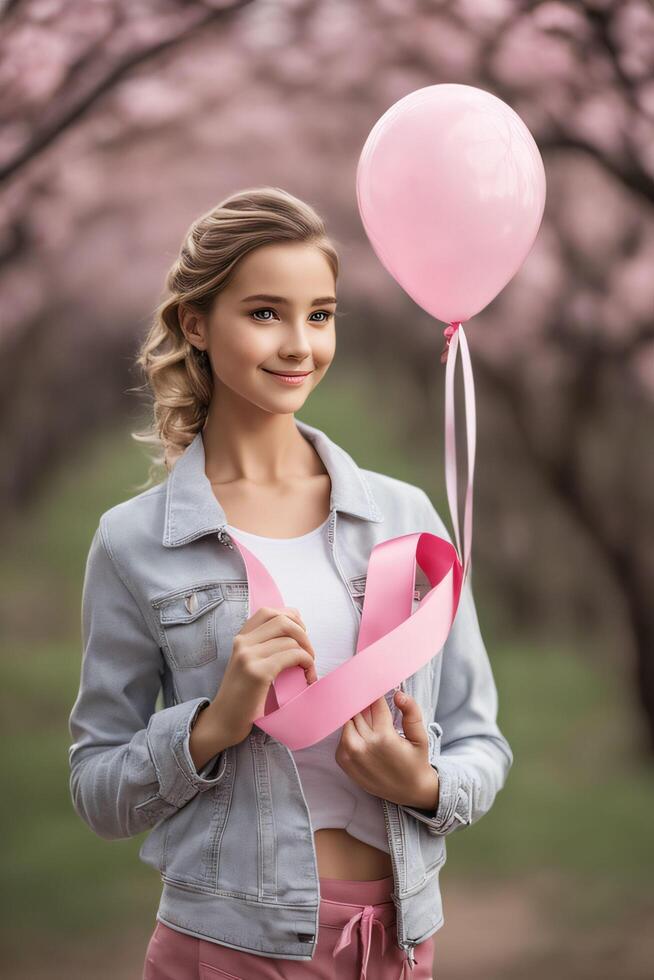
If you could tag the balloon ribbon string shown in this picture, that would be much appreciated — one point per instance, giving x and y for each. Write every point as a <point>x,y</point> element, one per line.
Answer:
<point>456,336</point>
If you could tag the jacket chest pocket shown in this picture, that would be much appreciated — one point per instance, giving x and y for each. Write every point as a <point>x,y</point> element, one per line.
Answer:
<point>187,623</point>
<point>236,594</point>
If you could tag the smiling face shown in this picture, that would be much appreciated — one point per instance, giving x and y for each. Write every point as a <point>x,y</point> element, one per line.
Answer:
<point>276,315</point>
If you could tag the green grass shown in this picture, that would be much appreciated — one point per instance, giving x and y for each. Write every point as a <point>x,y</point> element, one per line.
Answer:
<point>575,800</point>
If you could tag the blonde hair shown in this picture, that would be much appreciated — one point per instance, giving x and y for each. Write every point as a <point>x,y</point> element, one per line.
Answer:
<point>178,375</point>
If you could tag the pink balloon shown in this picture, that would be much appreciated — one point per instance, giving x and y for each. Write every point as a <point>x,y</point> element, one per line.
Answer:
<point>451,192</point>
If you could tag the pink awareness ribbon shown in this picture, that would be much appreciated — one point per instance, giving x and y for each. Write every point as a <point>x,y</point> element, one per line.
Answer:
<point>393,642</point>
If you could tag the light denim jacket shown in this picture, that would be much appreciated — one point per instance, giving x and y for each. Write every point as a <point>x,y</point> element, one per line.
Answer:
<point>165,592</point>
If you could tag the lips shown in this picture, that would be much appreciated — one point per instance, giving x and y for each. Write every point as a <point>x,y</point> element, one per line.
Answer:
<point>288,374</point>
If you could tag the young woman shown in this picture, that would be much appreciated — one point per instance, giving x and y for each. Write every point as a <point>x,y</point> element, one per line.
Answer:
<point>322,862</point>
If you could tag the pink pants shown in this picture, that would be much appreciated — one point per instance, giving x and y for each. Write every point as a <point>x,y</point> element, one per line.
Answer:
<point>356,939</point>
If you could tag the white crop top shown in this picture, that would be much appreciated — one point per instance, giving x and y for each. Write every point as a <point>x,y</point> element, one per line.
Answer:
<point>333,798</point>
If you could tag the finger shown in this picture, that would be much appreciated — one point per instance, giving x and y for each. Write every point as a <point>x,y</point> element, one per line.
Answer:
<point>360,724</point>
<point>412,722</point>
<point>293,657</point>
<point>275,645</point>
<point>265,613</point>
<point>283,625</point>
<point>382,718</point>
<point>354,737</point>
<point>292,611</point>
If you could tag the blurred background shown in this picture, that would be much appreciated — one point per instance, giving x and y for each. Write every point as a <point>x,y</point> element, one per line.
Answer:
<point>121,122</point>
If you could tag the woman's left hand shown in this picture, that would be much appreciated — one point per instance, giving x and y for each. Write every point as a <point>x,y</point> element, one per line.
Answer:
<point>384,763</point>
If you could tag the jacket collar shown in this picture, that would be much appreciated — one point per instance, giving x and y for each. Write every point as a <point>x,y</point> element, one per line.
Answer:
<point>192,509</point>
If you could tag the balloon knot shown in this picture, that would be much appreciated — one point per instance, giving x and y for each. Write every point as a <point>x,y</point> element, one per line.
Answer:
<point>448,333</point>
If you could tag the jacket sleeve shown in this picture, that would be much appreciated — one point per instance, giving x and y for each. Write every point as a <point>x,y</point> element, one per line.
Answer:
<point>130,766</point>
<point>467,749</point>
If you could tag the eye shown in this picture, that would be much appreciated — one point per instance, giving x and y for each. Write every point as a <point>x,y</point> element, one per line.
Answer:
<point>266,309</point>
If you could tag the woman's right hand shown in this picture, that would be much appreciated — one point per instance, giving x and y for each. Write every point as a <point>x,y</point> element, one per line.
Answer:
<point>268,642</point>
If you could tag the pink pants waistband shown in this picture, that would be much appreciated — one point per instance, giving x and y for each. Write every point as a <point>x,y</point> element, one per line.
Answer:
<point>372,892</point>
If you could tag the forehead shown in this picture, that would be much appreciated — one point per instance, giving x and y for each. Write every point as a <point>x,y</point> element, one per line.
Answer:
<point>292,270</point>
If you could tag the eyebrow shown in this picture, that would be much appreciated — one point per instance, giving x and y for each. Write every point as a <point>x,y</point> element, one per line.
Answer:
<point>264,297</point>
